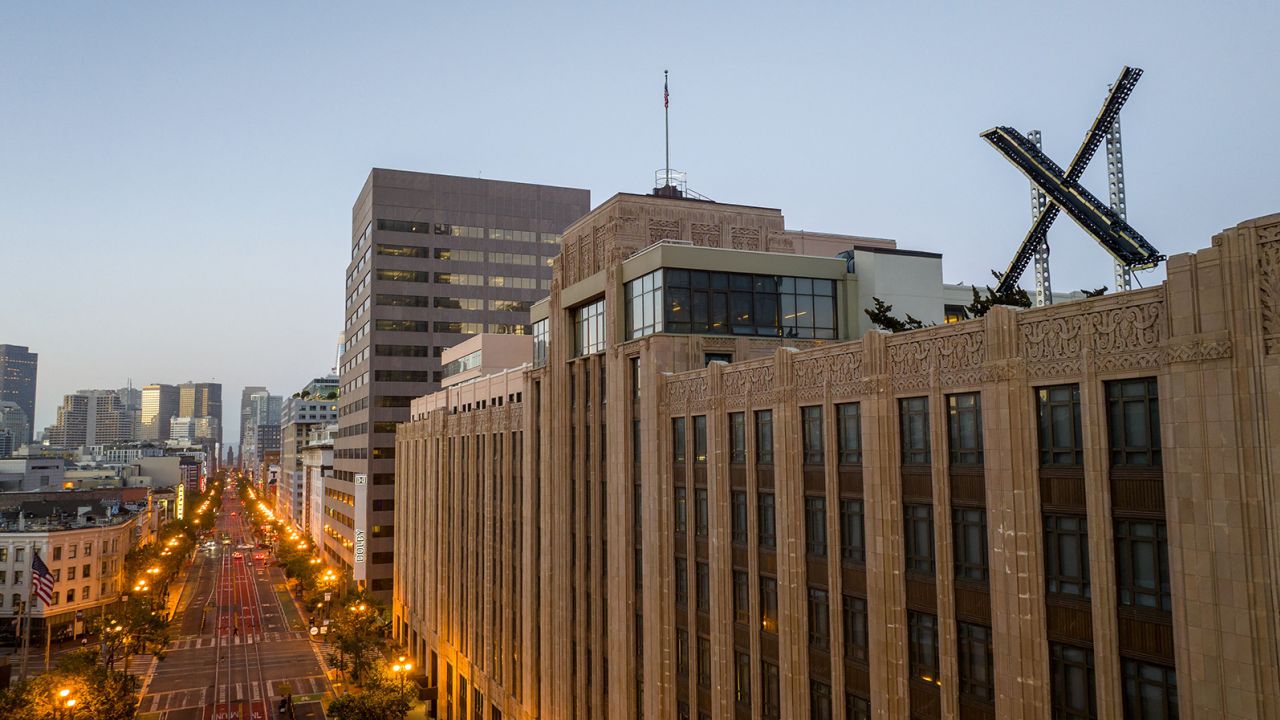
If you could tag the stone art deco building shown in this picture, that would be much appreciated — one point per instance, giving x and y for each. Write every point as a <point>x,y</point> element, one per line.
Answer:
<point>1062,512</point>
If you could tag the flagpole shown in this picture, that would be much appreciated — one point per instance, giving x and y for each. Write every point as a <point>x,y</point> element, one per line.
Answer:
<point>666,119</point>
<point>48,643</point>
<point>26,629</point>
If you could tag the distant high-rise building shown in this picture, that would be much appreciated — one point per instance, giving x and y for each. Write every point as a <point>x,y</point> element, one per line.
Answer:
<point>90,417</point>
<point>434,259</point>
<point>14,422</point>
<point>246,410</point>
<point>159,406</point>
<point>195,430</point>
<point>18,381</point>
<point>131,397</point>
<point>262,434</point>
<point>201,400</point>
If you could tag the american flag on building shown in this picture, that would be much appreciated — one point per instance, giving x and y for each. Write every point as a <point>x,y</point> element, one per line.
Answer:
<point>41,579</point>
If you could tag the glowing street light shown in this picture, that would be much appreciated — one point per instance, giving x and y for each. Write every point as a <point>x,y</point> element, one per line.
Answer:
<point>401,668</point>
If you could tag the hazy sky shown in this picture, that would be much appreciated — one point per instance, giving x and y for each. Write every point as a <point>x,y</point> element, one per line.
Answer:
<point>176,179</point>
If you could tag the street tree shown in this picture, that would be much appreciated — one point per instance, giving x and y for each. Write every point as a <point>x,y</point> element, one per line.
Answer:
<point>379,699</point>
<point>356,638</point>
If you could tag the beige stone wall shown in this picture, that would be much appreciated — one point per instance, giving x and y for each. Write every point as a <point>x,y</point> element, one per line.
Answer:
<point>1210,336</point>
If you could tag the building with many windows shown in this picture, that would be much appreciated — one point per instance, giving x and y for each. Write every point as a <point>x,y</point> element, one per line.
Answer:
<point>434,259</point>
<point>83,539</point>
<point>18,367</point>
<point>312,408</point>
<point>159,407</point>
<point>91,417</point>
<point>1064,511</point>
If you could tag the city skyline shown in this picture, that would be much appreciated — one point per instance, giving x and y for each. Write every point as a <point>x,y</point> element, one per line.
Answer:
<point>837,133</point>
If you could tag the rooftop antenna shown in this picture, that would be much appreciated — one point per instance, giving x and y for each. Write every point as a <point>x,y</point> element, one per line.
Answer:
<point>666,120</point>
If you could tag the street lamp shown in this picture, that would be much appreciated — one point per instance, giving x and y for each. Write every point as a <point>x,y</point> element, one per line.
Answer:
<point>401,668</point>
<point>65,700</point>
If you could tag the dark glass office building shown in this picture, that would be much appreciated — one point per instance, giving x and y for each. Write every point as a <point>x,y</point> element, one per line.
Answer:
<point>18,381</point>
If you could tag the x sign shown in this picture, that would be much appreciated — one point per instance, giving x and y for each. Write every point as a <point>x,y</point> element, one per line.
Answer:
<point>1065,192</point>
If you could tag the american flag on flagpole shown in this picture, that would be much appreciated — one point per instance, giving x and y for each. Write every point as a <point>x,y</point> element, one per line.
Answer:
<point>41,579</point>
<point>666,94</point>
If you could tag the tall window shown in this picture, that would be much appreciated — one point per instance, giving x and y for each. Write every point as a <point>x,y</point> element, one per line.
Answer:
<point>766,512</point>
<point>682,582</point>
<point>771,690</point>
<point>1133,419</point>
<point>849,432</point>
<point>700,439</point>
<point>704,662</point>
<point>1066,555</point>
<point>977,680</point>
<point>1150,690</point>
<point>856,708</point>
<point>682,651</point>
<point>964,428</point>
<point>764,437</point>
<point>741,595</point>
<point>918,537</point>
<point>738,502</point>
<point>914,419</point>
<point>969,531</point>
<point>852,543</point>
<point>922,651</point>
<point>819,700</point>
<point>1071,682</point>
<point>819,619</point>
<point>815,525</point>
<point>589,331</point>
<point>811,423</point>
<point>703,577</point>
<point>677,439</point>
<point>1061,441</point>
<point>700,511</point>
<point>768,604</point>
<point>742,678</point>
<point>541,338</point>
<point>854,610</point>
<point>682,512</point>
<point>737,438</point>
<point>644,305</point>
<point>1142,564</point>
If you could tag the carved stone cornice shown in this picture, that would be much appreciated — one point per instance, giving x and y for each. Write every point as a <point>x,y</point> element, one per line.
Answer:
<point>1269,286</point>
<point>1199,349</point>
<point>1119,336</point>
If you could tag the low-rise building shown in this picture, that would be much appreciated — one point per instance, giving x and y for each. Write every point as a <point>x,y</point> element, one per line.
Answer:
<point>83,541</point>
<point>31,473</point>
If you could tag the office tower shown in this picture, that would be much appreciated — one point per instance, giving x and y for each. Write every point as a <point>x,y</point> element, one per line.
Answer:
<point>159,407</point>
<point>90,417</point>
<point>202,400</point>
<point>194,430</point>
<point>685,513</point>
<point>263,430</point>
<point>311,408</point>
<point>433,259</point>
<point>18,382</point>
<point>14,422</point>
<point>246,411</point>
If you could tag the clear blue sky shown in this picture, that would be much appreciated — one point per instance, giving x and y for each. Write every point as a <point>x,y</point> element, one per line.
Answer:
<point>176,179</point>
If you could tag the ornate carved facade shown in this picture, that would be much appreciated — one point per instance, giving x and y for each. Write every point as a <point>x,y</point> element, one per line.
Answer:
<point>792,535</point>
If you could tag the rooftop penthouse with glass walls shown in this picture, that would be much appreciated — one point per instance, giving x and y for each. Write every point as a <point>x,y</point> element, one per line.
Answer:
<point>639,266</point>
<point>711,302</point>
